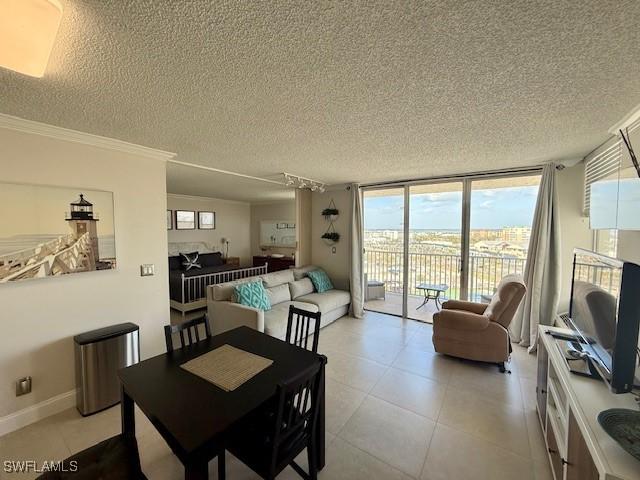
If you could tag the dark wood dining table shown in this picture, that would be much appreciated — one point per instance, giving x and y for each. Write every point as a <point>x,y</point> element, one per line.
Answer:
<point>195,416</point>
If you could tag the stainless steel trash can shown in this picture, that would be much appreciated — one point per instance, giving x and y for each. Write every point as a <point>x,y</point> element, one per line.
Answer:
<point>99,354</point>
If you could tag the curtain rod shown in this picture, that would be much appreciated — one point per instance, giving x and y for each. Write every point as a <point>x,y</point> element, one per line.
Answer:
<point>488,173</point>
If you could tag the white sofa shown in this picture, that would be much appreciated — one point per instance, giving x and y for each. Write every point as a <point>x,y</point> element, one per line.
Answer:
<point>287,287</point>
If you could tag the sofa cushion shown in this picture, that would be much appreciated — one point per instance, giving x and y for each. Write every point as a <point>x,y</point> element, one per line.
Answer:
<point>175,262</point>
<point>222,292</point>
<point>300,273</point>
<point>277,278</point>
<point>279,294</point>
<point>252,294</point>
<point>275,320</point>
<point>327,301</point>
<point>190,260</point>
<point>321,281</point>
<point>211,259</point>
<point>301,287</point>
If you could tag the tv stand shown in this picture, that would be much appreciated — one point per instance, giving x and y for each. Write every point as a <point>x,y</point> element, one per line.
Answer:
<point>568,406</point>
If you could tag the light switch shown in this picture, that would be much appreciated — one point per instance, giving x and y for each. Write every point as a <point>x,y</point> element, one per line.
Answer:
<point>147,269</point>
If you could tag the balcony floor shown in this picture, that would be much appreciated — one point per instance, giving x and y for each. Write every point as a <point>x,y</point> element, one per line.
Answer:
<point>393,305</point>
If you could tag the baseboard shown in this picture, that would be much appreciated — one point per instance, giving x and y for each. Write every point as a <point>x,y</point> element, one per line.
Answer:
<point>32,414</point>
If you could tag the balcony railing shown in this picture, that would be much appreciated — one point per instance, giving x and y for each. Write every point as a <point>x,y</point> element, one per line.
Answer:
<point>484,271</point>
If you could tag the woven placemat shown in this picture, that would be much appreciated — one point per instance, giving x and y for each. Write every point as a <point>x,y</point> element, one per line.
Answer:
<point>227,367</point>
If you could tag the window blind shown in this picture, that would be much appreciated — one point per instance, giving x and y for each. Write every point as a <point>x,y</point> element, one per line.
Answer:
<point>604,162</point>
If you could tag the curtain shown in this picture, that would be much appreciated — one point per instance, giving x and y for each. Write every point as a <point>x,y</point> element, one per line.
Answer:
<point>356,278</point>
<point>542,271</point>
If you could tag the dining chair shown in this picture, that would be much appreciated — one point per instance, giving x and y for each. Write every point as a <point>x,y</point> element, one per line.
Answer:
<point>188,332</point>
<point>269,444</point>
<point>299,326</point>
<point>116,458</point>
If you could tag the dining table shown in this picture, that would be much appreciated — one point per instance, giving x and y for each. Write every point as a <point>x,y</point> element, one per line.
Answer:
<point>194,416</point>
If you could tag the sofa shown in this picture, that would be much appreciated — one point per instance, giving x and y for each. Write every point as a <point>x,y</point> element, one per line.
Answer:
<point>478,331</point>
<point>285,288</point>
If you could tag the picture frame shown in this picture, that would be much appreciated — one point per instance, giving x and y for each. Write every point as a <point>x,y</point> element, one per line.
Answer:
<point>169,220</point>
<point>185,220</point>
<point>206,220</point>
<point>73,231</point>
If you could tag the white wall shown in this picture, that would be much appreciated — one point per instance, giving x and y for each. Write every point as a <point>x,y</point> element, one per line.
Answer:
<point>335,264</point>
<point>40,317</point>
<point>574,227</point>
<point>232,222</point>
<point>278,211</point>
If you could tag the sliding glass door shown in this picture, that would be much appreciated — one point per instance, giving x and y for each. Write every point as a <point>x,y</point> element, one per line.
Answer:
<point>435,247</point>
<point>384,239</point>
<point>428,242</point>
<point>501,214</point>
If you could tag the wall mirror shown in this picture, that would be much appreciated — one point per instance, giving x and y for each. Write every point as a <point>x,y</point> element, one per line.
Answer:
<point>277,233</point>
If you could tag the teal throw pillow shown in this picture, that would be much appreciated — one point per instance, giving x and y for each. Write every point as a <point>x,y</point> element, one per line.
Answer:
<point>252,294</point>
<point>320,280</point>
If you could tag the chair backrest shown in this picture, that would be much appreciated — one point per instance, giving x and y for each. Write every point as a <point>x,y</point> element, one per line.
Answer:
<point>299,325</point>
<point>188,332</point>
<point>296,415</point>
<point>506,300</point>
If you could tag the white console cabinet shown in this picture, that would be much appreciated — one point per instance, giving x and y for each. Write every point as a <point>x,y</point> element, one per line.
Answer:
<point>568,406</point>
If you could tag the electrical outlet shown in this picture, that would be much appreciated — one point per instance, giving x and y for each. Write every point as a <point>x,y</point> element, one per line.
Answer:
<point>23,386</point>
<point>147,270</point>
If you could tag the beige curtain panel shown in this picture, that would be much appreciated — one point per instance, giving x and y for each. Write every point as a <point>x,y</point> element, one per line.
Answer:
<point>543,268</point>
<point>356,278</point>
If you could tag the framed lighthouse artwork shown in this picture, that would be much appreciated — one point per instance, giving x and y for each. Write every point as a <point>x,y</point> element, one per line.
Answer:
<point>49,231</point>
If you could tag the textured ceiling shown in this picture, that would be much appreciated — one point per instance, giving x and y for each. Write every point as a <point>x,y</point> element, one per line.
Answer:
<point>342,91</point>
<point>191,181</point>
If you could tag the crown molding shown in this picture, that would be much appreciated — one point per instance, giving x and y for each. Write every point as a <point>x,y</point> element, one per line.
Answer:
<point>29,126</point>
<point>224,172</point>
<point>200,198</point>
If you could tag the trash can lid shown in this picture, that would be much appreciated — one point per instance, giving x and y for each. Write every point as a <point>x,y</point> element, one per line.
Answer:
<point>105,333</point>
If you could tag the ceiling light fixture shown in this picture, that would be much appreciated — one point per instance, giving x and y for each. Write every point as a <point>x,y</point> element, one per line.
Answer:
<point>27,31</point>
<point>296,181</point>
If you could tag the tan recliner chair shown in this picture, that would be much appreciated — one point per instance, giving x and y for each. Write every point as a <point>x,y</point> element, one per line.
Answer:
<point>478,331</point>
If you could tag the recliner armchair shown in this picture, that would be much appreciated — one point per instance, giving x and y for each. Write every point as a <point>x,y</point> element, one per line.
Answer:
<point>478,331</point>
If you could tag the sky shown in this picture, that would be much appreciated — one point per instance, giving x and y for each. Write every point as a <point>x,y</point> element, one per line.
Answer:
<point>490,209</point>
<point>39,210</point>
<point>613,207</point>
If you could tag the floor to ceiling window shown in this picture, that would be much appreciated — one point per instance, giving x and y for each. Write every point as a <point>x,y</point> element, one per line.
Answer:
<point>384,219</point>
<point>432,241</point>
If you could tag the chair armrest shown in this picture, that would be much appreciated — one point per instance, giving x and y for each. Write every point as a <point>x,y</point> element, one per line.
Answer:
<point>460,320</point>
<point>228,315</point>
<point>473,307</point>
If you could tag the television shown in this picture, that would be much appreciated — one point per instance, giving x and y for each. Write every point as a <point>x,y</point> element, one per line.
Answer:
<point>605,315</point>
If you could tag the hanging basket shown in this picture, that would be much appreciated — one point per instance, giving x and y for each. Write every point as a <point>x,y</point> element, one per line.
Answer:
<point>331,238</point>
<point>331,212</point>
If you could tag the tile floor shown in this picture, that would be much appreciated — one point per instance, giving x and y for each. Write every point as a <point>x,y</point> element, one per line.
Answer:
<point>395,410</point>
<point>392,304</point>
